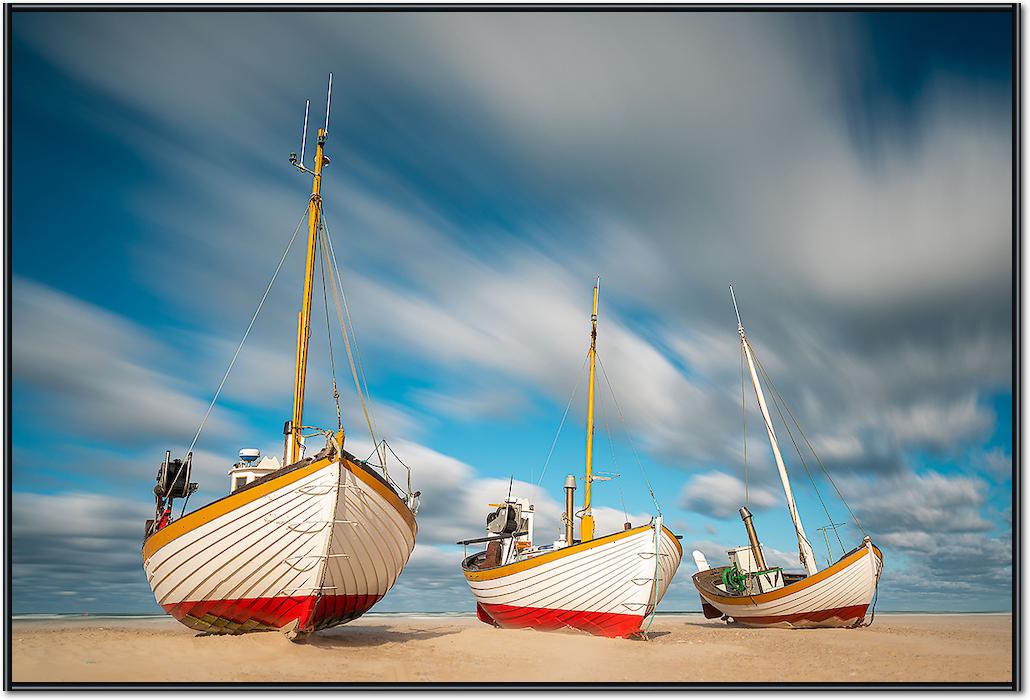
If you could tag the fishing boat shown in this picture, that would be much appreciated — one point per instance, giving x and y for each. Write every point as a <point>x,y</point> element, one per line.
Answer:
<point>605,585</point>
<point>750,592</point>
<point>298,546</point>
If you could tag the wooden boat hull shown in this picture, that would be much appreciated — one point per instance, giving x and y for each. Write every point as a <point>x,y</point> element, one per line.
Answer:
<point>606,586</point>
<point>310,546</point>
<point>838,596</point>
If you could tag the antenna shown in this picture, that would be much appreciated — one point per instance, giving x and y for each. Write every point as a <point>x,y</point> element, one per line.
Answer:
<point>304,133</point>
<point>328,102</point>
<point>740,326</point>
<point>831,526</point>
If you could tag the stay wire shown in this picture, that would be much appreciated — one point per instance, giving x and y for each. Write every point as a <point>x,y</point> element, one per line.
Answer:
<point>246,333</point>
<point>364,391</point>
<point>769,426</point>
<point>611,446</point>
<point>350,323</point>
<point>358,377</point>
<point>575,388</point>
<point>607,430</point>
<point>350,356</point>
<point>776,404</point>
<point>777,400</point>
<point>820,462</point>
<point>329,336</point>
<point>629,438</point>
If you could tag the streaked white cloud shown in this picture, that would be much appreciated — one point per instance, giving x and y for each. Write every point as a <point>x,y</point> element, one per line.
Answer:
<point>95,373</point>
<point>874,277</point>
<point>720,495</point>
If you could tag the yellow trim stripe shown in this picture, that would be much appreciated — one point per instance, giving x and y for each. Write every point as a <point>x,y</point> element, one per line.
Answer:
<point>515,567</point>
<point>206,514</point>
<point>795,587</point>
<point>674,540</point>
<point>385,491</point>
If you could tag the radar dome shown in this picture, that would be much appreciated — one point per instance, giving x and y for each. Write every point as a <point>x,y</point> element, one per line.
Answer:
<point>249,454</point>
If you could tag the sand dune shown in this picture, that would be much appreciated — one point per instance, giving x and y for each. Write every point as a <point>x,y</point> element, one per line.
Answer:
<point>925,648</point>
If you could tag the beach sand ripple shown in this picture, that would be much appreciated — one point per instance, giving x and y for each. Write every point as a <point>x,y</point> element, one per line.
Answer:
<point>683,648</point>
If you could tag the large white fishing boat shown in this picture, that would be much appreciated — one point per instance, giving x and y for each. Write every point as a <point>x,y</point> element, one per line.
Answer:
<point>606,585</point>
<point>300,547</point>
<point>750,592</point>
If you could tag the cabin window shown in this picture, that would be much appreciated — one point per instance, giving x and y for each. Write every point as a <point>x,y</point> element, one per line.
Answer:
<point>241,481</point>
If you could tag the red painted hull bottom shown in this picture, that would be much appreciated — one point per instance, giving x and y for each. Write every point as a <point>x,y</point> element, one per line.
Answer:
<point>549,620</point>
<point>834,617</point>
<point>307,613</point>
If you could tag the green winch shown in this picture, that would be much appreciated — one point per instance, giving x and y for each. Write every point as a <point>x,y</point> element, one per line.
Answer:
<point>734,579</point>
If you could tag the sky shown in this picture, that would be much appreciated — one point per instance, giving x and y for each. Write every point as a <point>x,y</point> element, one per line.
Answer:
<point>850,174</point>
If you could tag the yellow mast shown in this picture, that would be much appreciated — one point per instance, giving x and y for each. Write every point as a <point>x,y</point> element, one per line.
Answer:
<point>586,530</point>
<point>293,451</point>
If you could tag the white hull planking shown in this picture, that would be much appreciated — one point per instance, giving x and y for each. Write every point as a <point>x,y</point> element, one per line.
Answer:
<point>616,577</point>
<point>839,598</point>
<point>318,535</point>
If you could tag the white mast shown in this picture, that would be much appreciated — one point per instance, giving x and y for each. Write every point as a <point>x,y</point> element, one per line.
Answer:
<point>805,549</point>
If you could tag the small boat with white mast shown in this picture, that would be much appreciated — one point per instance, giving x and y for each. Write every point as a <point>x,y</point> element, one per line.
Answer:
<point>605,585</point>
<point>297,546</point>
<point>750,592</point>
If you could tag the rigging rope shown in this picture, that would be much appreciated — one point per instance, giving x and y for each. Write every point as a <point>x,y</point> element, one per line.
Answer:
<point>876,594</point>
<point>795,515</point>
<point>820,462</point>
<point>622,418</point>
<point>350,358</point>
<point>575,388</point>
<point>246,334</point>
<point>611,443</point>
<point>329,336</point>
<point>357,369</point>
<point>777,399</point>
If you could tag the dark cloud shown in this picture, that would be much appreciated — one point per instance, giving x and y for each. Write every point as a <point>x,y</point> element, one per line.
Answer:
<point>78,552</point>
<point>486,166</point>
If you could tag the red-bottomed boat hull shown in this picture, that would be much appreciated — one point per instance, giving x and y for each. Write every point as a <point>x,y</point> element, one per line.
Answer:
<point>602,624</point>
<point>308,612</point>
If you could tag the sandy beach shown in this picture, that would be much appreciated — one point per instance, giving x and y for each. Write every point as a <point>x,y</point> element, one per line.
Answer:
<point>682,648</point>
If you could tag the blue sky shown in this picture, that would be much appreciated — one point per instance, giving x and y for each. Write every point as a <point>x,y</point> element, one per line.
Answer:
<point>849,173</point>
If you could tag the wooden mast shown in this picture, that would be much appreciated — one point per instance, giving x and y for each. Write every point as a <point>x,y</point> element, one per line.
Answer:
<point>804,548</point>
<point>293,447</point>
<point>586,530</point>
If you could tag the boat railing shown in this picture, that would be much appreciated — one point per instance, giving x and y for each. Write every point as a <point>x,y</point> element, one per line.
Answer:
<point>411,496</point>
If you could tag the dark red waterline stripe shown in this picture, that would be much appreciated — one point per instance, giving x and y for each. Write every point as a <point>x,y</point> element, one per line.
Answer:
<point>847,613</point>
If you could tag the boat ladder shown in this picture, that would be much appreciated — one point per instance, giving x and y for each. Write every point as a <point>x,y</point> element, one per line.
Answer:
<point>294,562</point>
<point>292,591</point>
<point>298,526</point>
